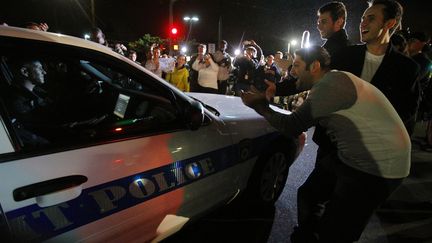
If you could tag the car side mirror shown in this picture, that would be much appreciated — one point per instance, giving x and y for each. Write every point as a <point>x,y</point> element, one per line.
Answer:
<point>194,115</point>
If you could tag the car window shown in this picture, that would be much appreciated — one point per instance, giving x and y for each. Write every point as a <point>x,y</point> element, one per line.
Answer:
<point>56,101</point>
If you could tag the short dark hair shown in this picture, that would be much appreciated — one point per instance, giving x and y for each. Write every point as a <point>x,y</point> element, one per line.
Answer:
<point>96,30</point>
<point>30,24</point>
<point>336,9</point>
<point>314,53</point>
<point>398,39</point>
<point>392,10</point>
<point>419,35</point>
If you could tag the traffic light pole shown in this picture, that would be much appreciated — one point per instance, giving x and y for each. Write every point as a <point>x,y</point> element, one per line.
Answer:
<point>171,23</point>
<point>189,31</point>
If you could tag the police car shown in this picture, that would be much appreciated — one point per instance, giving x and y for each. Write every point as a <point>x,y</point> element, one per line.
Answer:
<point>95,148</point>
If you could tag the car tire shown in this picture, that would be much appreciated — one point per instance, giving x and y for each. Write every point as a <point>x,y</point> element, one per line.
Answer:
<point>269,176</point>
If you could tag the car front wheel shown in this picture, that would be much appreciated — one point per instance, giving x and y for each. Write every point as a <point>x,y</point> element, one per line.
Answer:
<point>268,177</point>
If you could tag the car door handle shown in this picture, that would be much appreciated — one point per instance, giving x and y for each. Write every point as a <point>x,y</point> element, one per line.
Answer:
<point>47,187</point>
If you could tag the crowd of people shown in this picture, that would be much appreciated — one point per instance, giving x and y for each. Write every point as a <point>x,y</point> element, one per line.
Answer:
<point>363,100</point>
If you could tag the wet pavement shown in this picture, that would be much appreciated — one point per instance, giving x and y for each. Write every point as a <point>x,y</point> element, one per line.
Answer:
<point>405,217</point>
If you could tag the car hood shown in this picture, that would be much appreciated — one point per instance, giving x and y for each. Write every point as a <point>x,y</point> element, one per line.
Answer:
<point>241,121</point>
<point>229,107</point>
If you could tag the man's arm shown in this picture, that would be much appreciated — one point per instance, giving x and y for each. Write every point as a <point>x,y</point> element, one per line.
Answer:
<point>289,124</point>
<point>334,92</point>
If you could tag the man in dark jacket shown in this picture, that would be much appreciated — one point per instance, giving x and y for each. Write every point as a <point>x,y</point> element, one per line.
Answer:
<point>416,43</point>
<point>379,63</point>
<point>331,25</point>
<point>417,49</point>
<point>247,65</point>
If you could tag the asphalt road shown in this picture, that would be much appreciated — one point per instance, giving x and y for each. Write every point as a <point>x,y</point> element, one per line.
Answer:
<point>405,217</point>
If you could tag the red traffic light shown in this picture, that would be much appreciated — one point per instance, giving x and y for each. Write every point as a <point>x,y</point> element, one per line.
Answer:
<point>174,30</point>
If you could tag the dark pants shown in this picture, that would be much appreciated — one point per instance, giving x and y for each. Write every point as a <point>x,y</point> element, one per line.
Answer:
<point>349,195</point>
<point>222,86</point>
<point>238,87</point>
<point>202,89</point>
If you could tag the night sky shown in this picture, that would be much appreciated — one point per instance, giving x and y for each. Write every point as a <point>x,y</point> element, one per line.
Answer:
<point>270,23</point>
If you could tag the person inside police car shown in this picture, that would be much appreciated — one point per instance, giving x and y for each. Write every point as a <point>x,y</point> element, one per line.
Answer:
<point>29,103</point>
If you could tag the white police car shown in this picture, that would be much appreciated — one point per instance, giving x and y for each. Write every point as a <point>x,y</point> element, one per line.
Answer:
<point>95,148</point>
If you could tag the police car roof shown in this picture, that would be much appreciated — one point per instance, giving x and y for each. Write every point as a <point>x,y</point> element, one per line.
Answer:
<point>23,33</point>
<point>52,37</point>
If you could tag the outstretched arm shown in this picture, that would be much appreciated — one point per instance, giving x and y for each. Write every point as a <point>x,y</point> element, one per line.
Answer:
<point>288,124</point>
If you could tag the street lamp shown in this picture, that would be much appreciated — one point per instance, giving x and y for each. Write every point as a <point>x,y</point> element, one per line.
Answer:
<point>187,18</point>
<point>191,20</point>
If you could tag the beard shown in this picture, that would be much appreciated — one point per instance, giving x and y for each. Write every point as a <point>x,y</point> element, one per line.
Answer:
<point>303,83</point>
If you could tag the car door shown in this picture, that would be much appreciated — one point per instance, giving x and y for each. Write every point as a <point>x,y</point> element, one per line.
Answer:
<point>110,157</point>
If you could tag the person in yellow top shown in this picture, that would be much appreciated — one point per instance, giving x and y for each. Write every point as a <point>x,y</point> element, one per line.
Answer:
<point>179,77</point>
